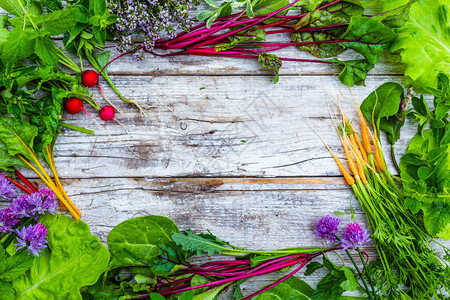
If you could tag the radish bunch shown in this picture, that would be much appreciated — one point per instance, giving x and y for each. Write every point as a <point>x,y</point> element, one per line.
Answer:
<point>89,78</point>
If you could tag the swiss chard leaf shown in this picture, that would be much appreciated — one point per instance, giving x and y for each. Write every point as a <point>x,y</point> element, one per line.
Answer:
<point>48,122</point>
<point>18,138</point>
<point>346,9</point>
<point>395,16</point>
<point>271,62</point>
<point>368,37</point>
<point>8,162</point>
<point>354,72</point>
<point>321,18</point>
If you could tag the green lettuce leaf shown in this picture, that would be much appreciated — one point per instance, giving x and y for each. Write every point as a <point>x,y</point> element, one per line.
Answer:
<point>74,258</point>
<point>424,42</point>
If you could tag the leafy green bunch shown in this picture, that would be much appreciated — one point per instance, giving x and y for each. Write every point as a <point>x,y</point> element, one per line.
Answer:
<point>421,208</point>
<point>156,257</point>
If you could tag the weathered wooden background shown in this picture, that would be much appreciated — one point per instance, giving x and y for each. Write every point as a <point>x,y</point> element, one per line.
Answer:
<point>219,147</point>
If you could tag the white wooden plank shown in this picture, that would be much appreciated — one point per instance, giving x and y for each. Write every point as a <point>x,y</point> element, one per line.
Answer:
<point>236,126</point>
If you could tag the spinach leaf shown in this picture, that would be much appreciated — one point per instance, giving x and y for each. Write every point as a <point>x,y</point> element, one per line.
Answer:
<point>140,237</point>
<point>382,106</point>
<point>74,258</point>
<point>292,288</point>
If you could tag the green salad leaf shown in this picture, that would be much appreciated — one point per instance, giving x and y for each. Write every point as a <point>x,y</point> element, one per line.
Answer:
<point>424,42</point>
<point>74,258</point>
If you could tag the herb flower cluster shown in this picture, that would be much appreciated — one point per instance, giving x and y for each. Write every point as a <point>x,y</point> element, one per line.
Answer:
<point>151,20</point>
<point>353,236</point>
<point>16,218</point>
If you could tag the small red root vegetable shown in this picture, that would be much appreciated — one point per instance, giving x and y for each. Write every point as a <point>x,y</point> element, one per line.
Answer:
<point>89,78</point>
<point>73,105</point>
<point>107,113</point>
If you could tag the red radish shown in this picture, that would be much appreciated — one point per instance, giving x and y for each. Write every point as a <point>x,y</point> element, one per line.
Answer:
<point>107,113</point>
<point>74,105</point>
<point>89,78</point>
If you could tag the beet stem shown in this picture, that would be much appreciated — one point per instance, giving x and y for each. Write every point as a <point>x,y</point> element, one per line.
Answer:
<point>26,190</point>
<point>26,181</point>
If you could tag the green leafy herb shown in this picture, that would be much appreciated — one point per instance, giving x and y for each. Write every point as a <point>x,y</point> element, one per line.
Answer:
<point>335,283</point>
<point>424,166</point>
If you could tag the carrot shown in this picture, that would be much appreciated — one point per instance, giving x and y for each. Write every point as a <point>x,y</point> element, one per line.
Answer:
<point>348,178</point>
<point>377,152</point>
<point>361,148</point>
<point>351,163</point>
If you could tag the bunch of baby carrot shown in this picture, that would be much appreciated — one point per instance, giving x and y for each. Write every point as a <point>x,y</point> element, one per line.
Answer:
<point>406,257</point>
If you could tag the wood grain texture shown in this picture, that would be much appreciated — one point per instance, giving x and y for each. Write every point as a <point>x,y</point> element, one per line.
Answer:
<point>236,125</point>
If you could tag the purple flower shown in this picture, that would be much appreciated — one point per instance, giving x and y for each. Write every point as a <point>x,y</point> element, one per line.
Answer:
<point>26,206</point>
<point>327,227</point>
<point>7,220</point>
<point>354,236</point>
<point>41,202</point>
<point>7,190</point>
<point>20,207</point>
<point>48,200</point>
<point>33,238</point>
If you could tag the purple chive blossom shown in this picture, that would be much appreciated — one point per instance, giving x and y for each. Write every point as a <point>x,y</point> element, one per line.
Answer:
<point>41,202</point>
<point>327,227</point>
<point>33,238</point>
<point>7,220</point>
<point>7,190</point>
<point>21,208</point>
<point>354,236</point>
<point>48,200</point>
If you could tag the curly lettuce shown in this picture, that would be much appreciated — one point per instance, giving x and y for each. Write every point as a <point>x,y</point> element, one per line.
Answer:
<point>424,42</point>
